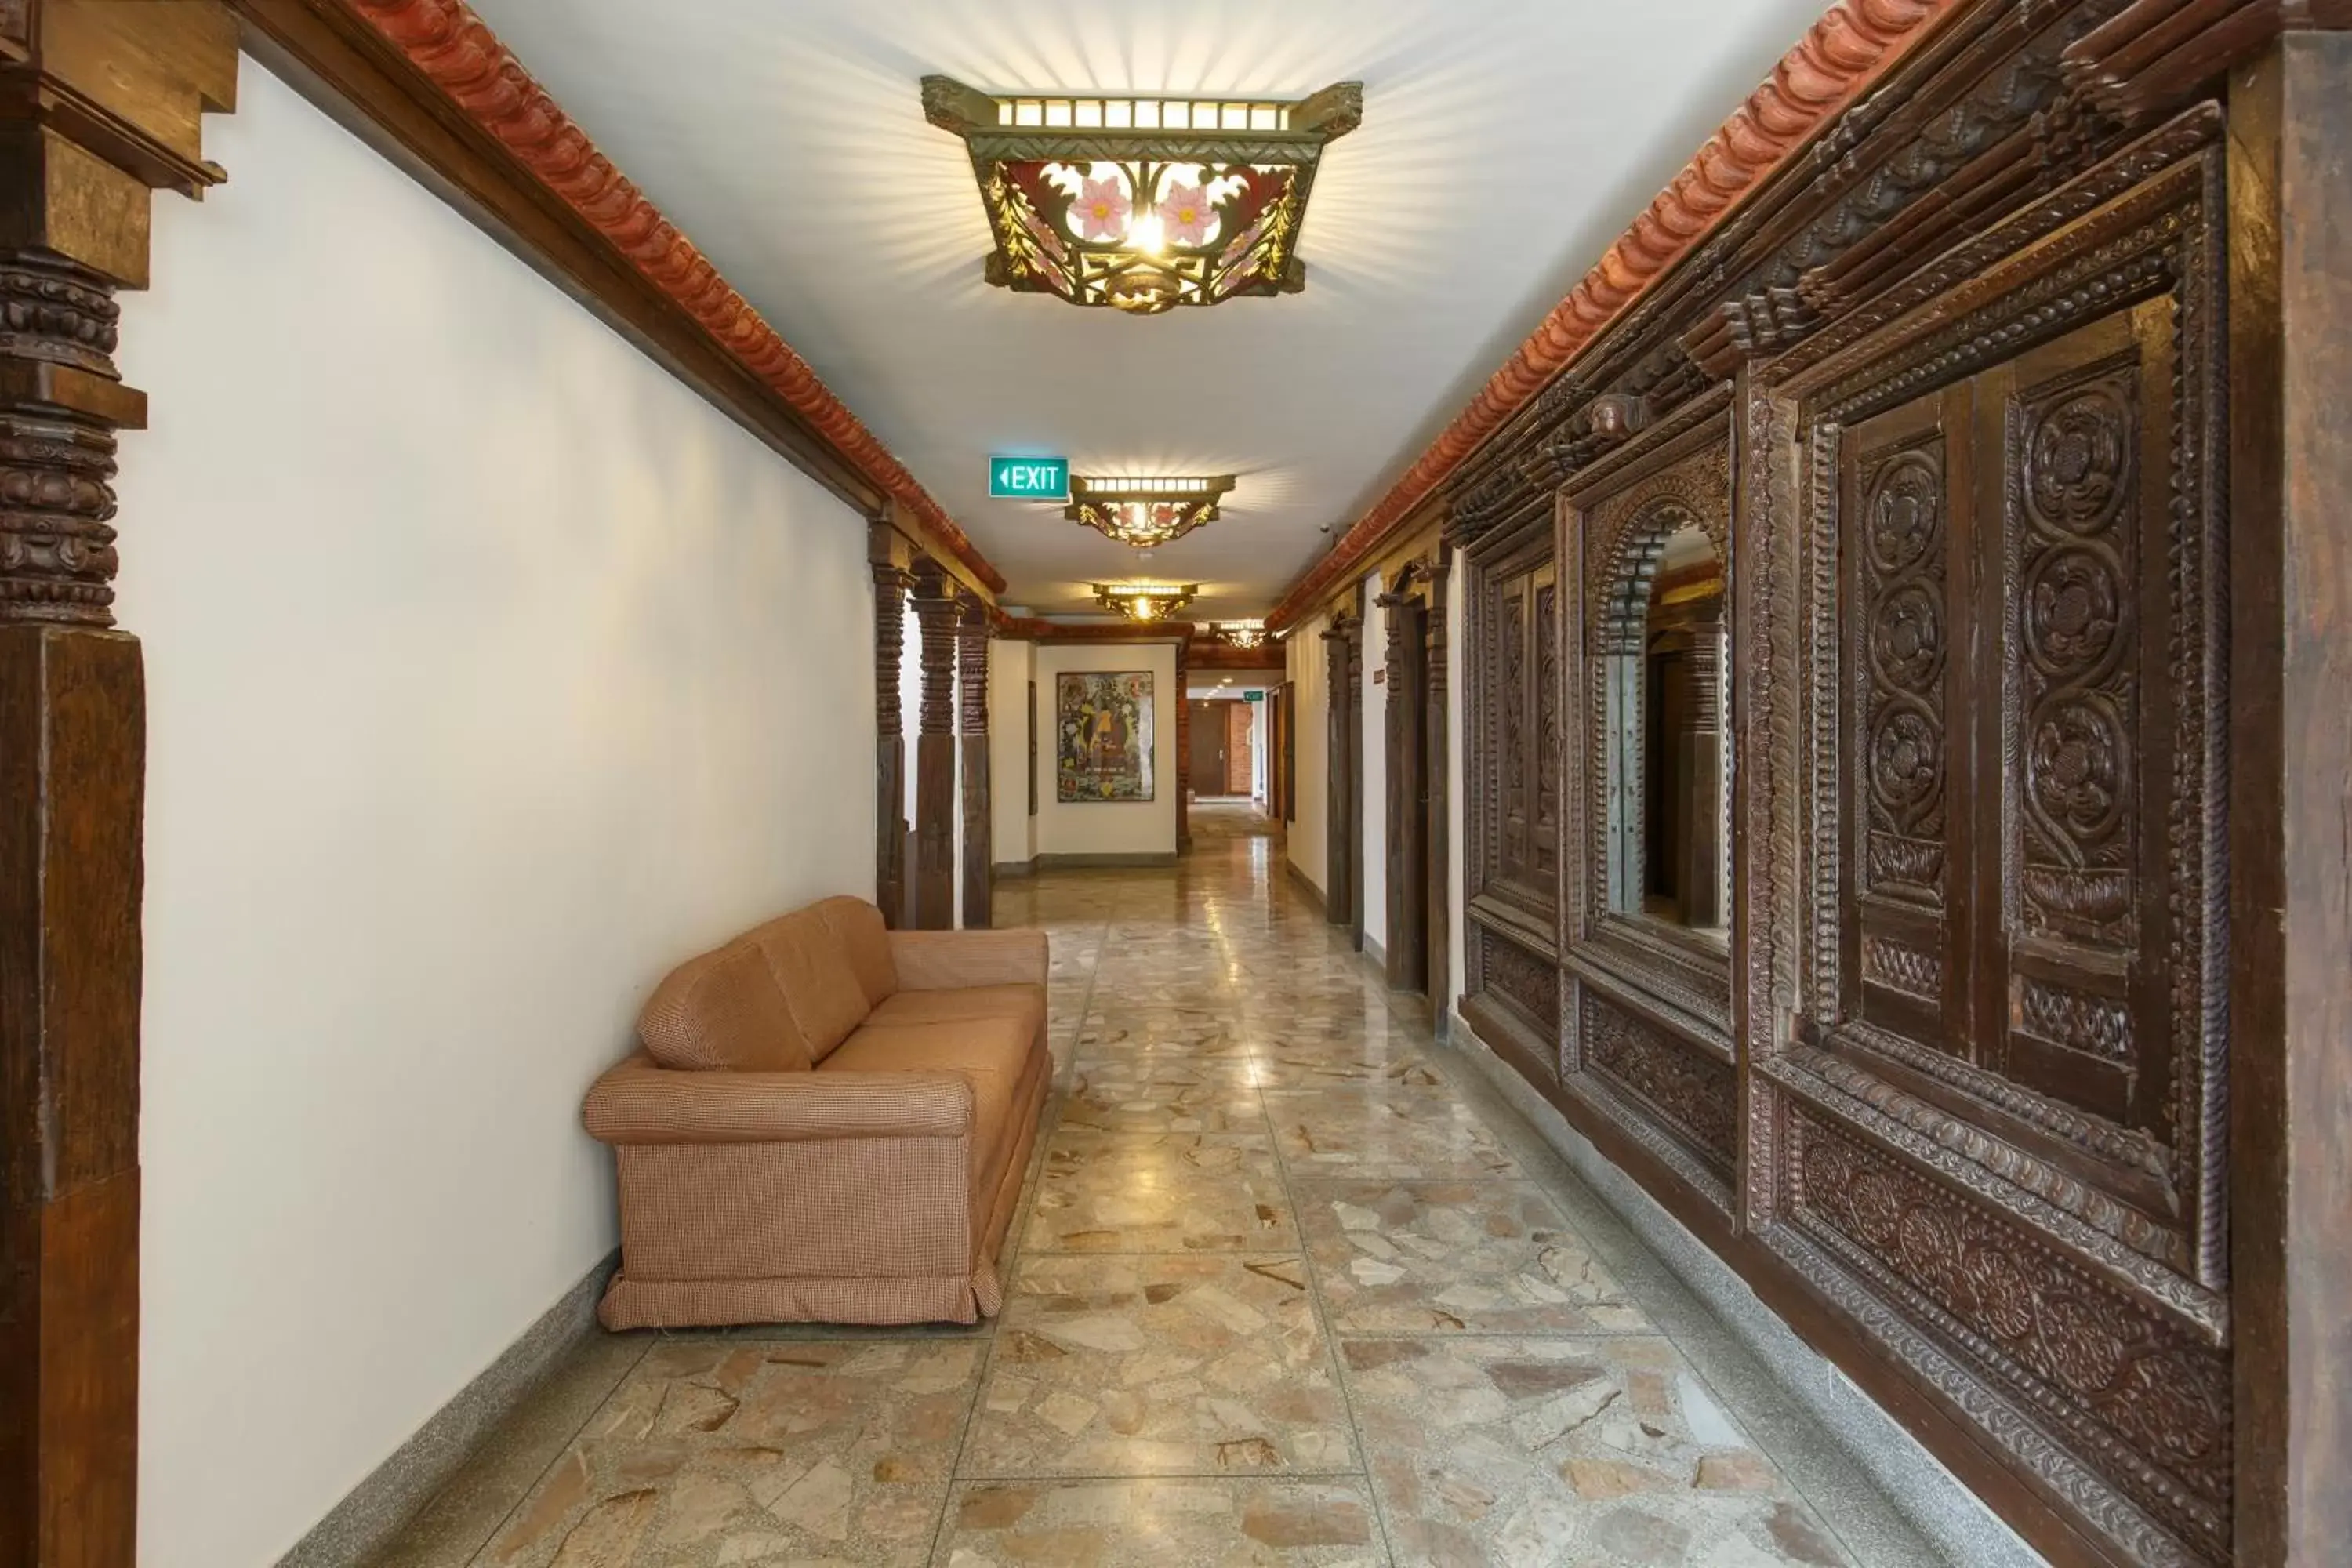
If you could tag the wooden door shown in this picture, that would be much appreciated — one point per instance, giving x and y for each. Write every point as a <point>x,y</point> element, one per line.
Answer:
<point>1241,749</point>
<point>1205,769</point>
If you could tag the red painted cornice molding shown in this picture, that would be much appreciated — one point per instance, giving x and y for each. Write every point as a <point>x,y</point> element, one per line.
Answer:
<point>457,52</point>
<point>1846,50</point>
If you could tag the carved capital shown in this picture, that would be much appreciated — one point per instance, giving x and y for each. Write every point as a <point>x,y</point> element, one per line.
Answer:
<point>938,610</point>
<point>57,453</point>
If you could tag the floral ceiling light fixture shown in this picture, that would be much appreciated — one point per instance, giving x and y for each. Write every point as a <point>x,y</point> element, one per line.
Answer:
<point>1144,203</point>
<point>1240,634</point>
<point>1145,512</point>
<point>1145,602</point>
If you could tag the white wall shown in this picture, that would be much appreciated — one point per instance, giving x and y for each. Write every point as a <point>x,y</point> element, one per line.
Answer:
<point>1309,664</point>
<point>1138,827</point>
<point>1010,667</point>
<point>491,673</point>
<point>1372,807</point>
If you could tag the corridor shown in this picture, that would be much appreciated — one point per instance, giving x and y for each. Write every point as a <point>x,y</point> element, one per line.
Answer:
<point>1289,1284</point>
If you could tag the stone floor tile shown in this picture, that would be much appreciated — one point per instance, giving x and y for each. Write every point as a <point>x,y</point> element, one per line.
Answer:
<point>1162,1524</point>
<point>1160,1366</point>
<point>1169,1192</point>
<point>717,1451</point>
<point>1532,1452</point>
<point>1454,1257</point>
<point>1384,1131</point>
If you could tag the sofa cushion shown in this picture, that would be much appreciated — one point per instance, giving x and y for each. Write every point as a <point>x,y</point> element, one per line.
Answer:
<point>812,969</point>
<point>990,1052</point>
<point>857,926</point>
<point>722,1011</point>
<point>1024,1003</point>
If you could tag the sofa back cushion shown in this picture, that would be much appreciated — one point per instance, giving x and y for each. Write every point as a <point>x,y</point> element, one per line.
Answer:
<point>857,926</point>
<point>723,1011</point>
<point>811,968</point>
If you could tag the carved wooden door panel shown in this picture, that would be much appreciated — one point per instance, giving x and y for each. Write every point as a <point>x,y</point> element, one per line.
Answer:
<point>1997,1140</point>
<point>2003,892</point>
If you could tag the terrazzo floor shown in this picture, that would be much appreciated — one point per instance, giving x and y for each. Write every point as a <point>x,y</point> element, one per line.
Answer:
<point>1289,1284</point>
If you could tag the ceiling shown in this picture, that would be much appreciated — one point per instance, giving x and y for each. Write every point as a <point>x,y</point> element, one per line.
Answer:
<point>1505,143</point>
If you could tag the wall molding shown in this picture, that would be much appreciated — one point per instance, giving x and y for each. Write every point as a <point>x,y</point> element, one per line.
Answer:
<point>379,1508</point>
<point>427,82</point>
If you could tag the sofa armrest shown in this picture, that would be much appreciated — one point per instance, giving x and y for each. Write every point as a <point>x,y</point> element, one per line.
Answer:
<point>637,1102</point>
<point>952,960</point>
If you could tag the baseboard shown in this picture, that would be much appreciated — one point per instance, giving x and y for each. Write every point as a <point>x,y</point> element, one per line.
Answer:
<point>1070,862</point>
<point>1954,1519</point>
<point>379,1507</point>
<point>1376,953</point>
<point>1015,867</point>
<point>1307,886</point>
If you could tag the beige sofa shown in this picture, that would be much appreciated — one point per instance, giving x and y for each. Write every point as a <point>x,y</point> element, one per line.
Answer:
<point>828,1122</point>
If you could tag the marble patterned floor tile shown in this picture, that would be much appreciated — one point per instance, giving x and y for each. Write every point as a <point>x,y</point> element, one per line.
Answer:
<point>1164,1192</point>
<point>1481,1257</point>
<point>1162,1524</point>
<point>1111,1102</point>
<point>722,1452</point>
<point>1384,1131</point>
<point>1160,1366</point>
<point>1526,1452</point>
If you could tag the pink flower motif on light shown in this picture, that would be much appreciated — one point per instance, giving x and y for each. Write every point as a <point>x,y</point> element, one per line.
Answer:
<point>1187,215</point>
<point>1102,211</point>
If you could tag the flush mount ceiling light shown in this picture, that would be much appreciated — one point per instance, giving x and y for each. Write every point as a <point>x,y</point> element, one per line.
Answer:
<point>1144,203</point>
<point>1145,512</point>
<point>1145,601</point>
<point>1240,634</point>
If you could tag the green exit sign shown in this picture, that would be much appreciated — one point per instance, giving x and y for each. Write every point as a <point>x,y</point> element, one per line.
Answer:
<point>1253,696</point>
<point>1029,478</point>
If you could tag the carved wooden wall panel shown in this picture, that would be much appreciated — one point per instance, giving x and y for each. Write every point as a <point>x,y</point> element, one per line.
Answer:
<point>2005,1108</point>
<point>1955,1094</point>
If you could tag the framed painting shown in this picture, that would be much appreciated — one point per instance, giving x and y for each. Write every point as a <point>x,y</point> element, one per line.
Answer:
<point>1103,736</point>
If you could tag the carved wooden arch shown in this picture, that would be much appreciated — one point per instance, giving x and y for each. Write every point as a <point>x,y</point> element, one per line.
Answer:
<point>1624,568</point>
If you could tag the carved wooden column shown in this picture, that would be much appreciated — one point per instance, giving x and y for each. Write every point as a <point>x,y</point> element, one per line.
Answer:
<point>1405,842</point>
<point>939,608</point>
<point>979,869</point>
<point>1438,750</point>
<point>888,553</point>
<point>1184,745</point>
<point>1340,772</point>
<point>2290,304</point>
<point>99,105</point>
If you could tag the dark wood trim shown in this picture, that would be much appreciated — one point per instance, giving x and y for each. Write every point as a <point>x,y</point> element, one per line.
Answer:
<point>939,611</point>
<point>979,825</point>
<point>889,556</point>
<point>1182,781</point>
<point>99,105</point>
<point>2291,831</point>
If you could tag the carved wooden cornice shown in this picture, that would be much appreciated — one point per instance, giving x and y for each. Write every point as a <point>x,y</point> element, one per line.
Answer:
<point>1846,50</point>
<point>479,77</point>
<point>1019,628</point>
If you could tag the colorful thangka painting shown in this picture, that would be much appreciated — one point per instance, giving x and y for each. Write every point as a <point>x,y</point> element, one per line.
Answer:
<point>1102,735</point>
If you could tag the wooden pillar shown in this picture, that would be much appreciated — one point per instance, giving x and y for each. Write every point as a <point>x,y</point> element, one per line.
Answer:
<point>938,609</point>
<point>1407,826</point>
<point>100,104</point>
<point>1183,744</point>
<point>979,867</point>
<point>2290,302</point>
<point>889,552</point>
<point>1438,759</point>
<point>1339,832</point>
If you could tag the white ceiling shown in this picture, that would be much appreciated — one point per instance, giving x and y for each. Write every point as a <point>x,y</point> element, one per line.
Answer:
<point>1505,143</point>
